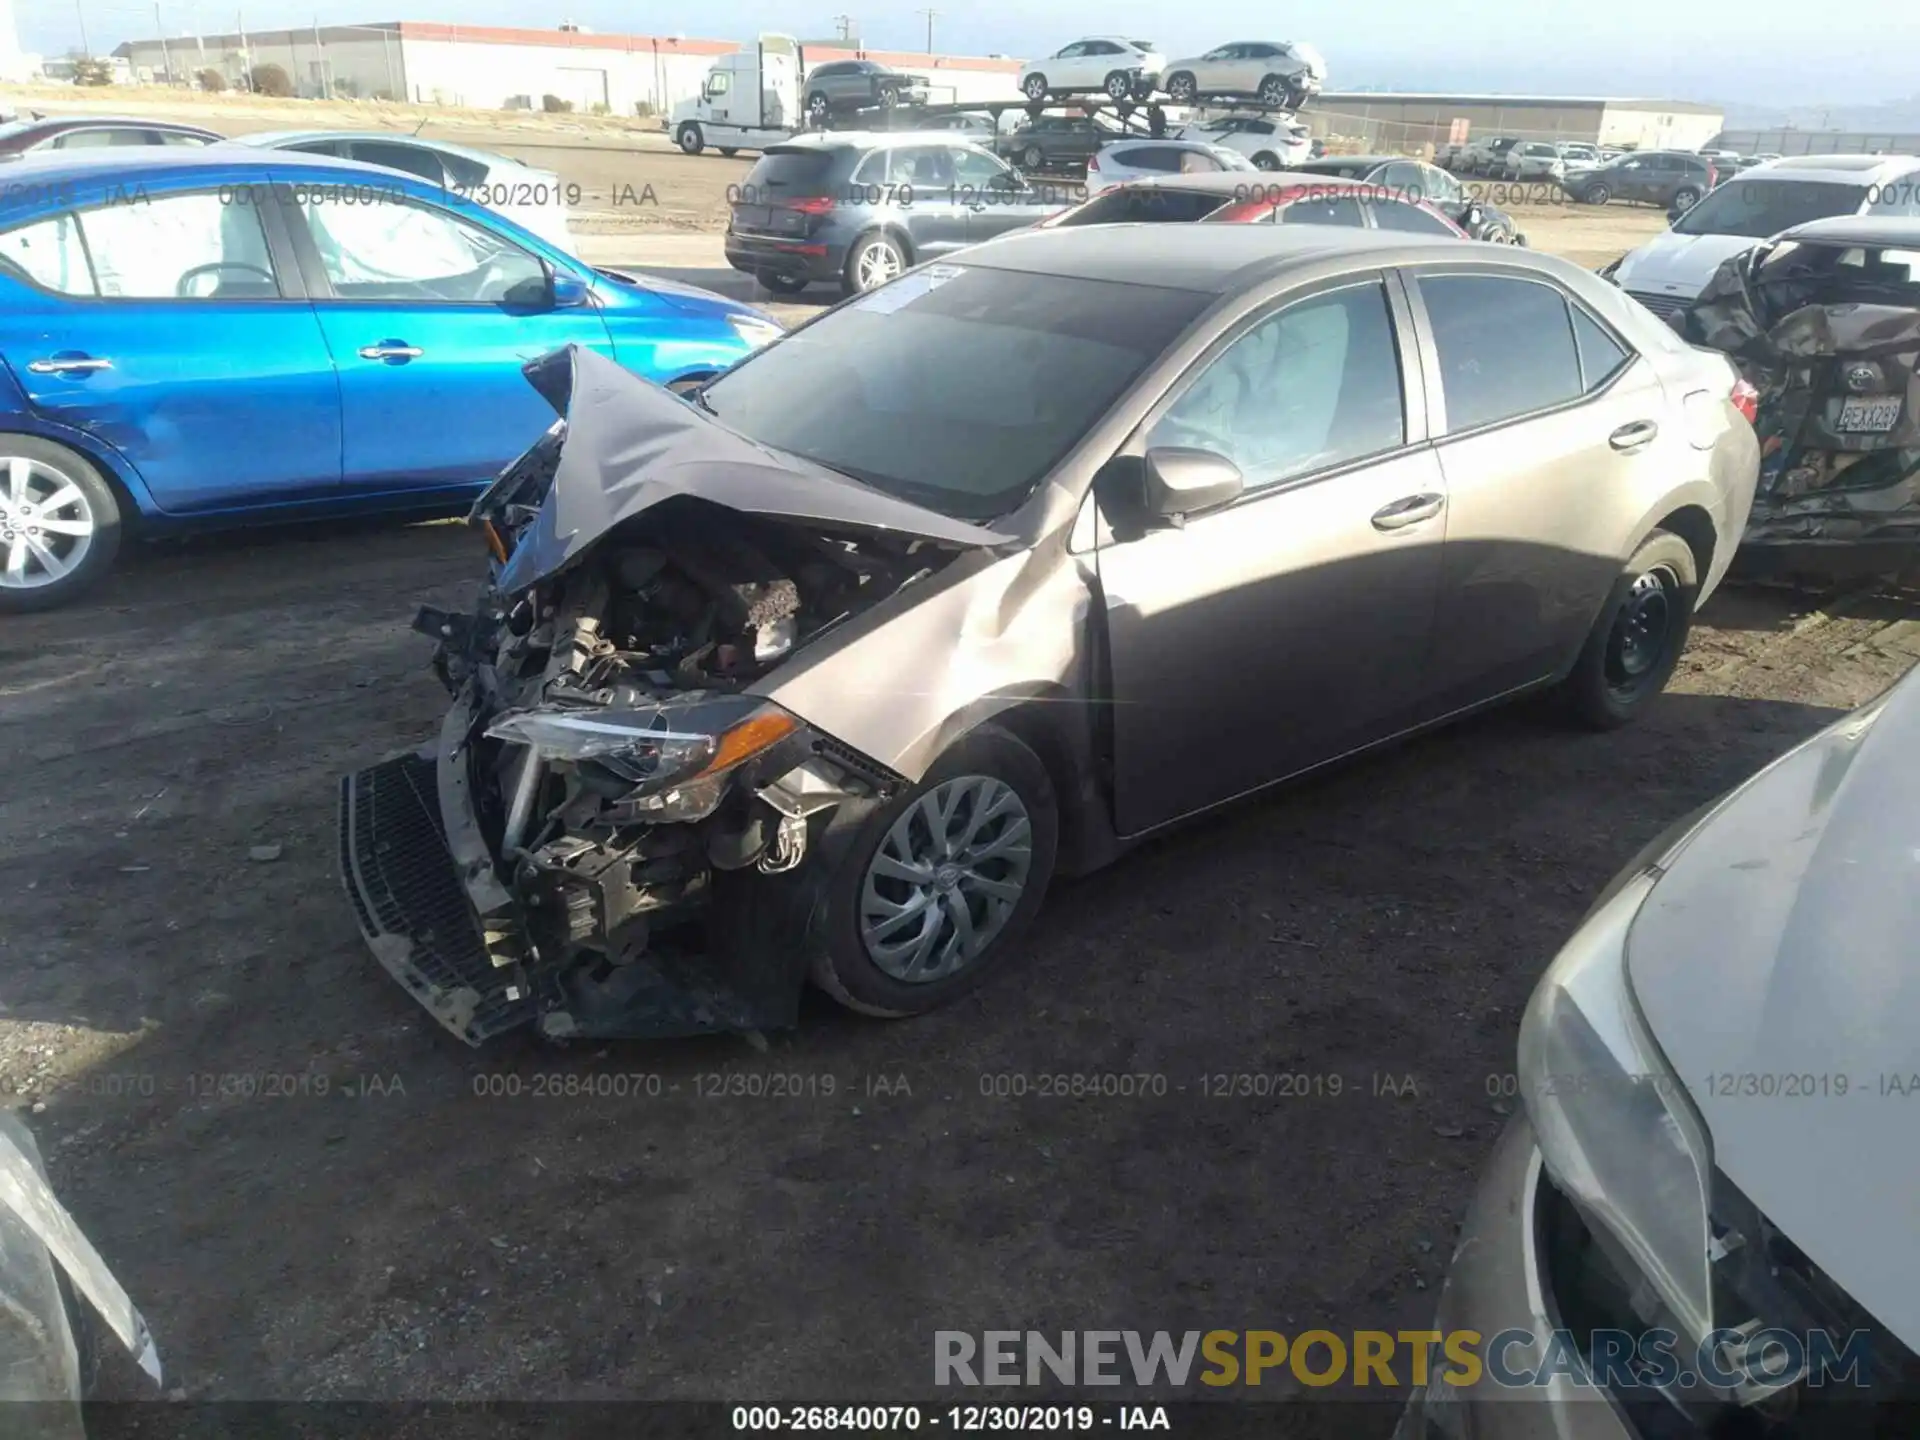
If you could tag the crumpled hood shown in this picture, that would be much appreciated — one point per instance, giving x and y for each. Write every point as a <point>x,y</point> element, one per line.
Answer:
<point>1678,265</point>
<point>631,444</point>
<point>1780,945</point>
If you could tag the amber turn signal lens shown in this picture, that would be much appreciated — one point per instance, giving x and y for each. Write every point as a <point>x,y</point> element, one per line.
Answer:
<point>757,732</point>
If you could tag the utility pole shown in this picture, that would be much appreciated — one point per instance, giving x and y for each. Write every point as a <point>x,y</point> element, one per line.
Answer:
<point>931,15</point>
<point>246,51</point>
<point>86,49</point>
<point>844,24</point>
<point>320,49</point>
<point>166,55</point>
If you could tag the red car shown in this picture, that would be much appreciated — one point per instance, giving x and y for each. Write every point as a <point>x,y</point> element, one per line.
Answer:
<point>1271,197</point>
<point>76,132</point>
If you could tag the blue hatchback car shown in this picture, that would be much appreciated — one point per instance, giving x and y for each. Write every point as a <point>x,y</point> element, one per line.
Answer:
<point>200,337</point>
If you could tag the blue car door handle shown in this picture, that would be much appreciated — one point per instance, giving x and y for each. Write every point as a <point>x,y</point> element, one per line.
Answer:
<point>394,352</point>
<point>68,365</point>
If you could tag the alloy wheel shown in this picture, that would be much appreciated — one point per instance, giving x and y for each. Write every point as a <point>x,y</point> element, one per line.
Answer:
<point>878,263</point>
<point>46,524</point>
<point>1642,632</point>
<point>946,879</point>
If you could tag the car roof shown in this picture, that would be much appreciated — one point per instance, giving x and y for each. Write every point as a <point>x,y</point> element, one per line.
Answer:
<point>1203,145</point>
<point>133,161</point>
<point>1210,259</point>
<point>1846,169</point>
<point>1890,232</point>
<point>66,122</point>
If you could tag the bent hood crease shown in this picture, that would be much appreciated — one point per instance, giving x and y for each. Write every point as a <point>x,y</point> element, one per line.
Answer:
<point>631,444</point>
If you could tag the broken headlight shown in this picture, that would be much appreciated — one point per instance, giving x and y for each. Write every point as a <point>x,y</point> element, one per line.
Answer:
<point>1616,1129</point>
<point>678,757</point>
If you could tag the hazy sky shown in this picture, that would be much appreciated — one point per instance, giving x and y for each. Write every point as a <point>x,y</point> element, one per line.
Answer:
<point>1768,52</point>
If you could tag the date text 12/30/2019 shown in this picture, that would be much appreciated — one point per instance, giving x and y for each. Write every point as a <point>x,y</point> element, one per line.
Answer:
<point>958,1419</point>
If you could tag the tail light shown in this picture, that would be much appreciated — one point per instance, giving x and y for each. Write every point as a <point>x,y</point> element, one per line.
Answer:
<point>812,205</point>
<point>1093,164</point>
<point>1713,177</point>
<point>1746,400</point>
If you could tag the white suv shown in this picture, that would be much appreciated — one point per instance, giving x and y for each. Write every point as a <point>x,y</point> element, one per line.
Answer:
<point>1272,142</point>
<point>1144,158</point>
<point>1119,68</point>
<point>1274,72</point>
<point>1670,270</point>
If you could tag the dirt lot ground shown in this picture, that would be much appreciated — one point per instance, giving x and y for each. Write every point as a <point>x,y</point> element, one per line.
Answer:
<point>314,1193</point>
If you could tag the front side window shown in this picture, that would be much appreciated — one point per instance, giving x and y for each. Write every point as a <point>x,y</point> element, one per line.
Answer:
<point>1073,51</point>
<point>100,138</point>
<point>927,168</point>
<point>720,82</point>
<point>175,137</point>
<point>374,247</point>
<point>1506,347</point>
<point>976,168</point>
<point>171,247</point>
<point>1316,384</point>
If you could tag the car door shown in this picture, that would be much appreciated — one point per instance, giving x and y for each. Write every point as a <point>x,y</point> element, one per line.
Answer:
<point>920,178</point>
<point>1541,416</point>
<point>1292,625</point>
<point>430,317</point>
<point>1633,180</point>
<point>1068,69</point>
<point>171,323</point>
<point>993,196</point>
<point>1214,73</point>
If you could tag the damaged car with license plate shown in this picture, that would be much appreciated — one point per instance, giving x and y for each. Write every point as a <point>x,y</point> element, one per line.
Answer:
<point>1824,321</point>
<point>823,670</point>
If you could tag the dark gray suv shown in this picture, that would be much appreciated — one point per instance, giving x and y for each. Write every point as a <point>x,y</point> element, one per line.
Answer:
<point>860,208</point>
<point>1672,178</point>
<point>842,86</point>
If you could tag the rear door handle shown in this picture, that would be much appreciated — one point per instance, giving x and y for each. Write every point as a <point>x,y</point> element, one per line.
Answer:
<point>391,350</point>
<point>68,365</point>
<point>1633,435</point>
<point>1409,511</point>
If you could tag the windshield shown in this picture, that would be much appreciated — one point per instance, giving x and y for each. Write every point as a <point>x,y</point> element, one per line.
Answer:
<point>954,387</point>
<point>1759,208</point>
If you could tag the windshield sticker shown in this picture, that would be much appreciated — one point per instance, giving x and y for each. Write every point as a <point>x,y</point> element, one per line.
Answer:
<point>908,288</point>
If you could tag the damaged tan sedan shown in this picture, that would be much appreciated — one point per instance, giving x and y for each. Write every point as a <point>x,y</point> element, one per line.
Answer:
<point>826,670</point>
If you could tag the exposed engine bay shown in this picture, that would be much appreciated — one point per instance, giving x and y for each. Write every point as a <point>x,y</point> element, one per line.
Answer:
<point>617,832</point>
<point>1829,334</point>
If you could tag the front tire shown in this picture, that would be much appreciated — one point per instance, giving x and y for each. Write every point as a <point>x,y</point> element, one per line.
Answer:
<point>1272,91</point>
<point>873,260</point>
<point>940,883</point>
<point>1119,86</point>
<point>1596,195</point>
<point>818,110</point>
<point>1685,198</point>
<point>690,139</point>
<point>1182,88</point>
<point>1033,158</point>
<point>59,525</point>
<point>1636,641</point>
<point>1036,88</point>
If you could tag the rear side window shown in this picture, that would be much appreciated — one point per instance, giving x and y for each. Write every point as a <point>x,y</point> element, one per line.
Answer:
<point>1506,347</point>
<point>1145,205</point>
<point>173,247</point>
<point>49,254</point>
<point>1601,356</point>
<point>780,173</point>
<point>97,139</point>
<point>1321,210</point>
<point>1146,157</point>
<point>408,159</point>
<point>1397,215</point>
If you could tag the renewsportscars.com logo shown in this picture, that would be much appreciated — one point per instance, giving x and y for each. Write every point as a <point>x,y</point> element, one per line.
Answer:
<point>1365,1359</point>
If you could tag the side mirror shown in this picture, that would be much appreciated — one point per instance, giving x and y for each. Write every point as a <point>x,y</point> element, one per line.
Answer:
<point>1473,216</point>
<point>1178,482</point>
<point>566,290</point>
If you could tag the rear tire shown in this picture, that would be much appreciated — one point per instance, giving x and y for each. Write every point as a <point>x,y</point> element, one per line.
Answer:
<point>47,494</point>
<point>1033,158</point>
<point>689,138</point>
<point>988,772</point>
<point>819,110</point>
<point>1266,160</point>
<point>1636,641</point>
<point>872,260</point>
<point>1596,195</point>
<point>1685,198</point>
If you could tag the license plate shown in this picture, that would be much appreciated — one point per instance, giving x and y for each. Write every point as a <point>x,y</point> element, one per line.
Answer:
<point>748,218</point>
<point>1869,413</point>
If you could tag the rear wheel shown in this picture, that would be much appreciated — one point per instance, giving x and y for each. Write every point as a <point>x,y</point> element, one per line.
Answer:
<point>1266,160</point>
<point>940,882</point>
<point>871,262</point>
<point>690,139</point>
<point>818,110</point>
<point>59,524</point>
<point>1634,645</point>
<point>1596,195</point>
<point>1685,198</point>
<point>1033,157</point>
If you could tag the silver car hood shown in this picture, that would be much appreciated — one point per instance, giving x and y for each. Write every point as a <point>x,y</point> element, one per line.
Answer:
<point>1779,945</point>
<point>631,444</point>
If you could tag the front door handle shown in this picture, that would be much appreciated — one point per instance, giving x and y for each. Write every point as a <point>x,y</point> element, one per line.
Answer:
<point>395,352</point>
<point>1409,511</point>
<point>1633,435</point>
<point>68,365</point>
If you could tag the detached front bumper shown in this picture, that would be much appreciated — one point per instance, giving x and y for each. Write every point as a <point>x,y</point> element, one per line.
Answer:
<point>427,893</point>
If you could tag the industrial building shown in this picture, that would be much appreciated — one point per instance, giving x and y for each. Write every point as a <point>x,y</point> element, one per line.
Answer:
<point>490,67</point>
<point>1411,123</point>
<point>1818,142</point>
